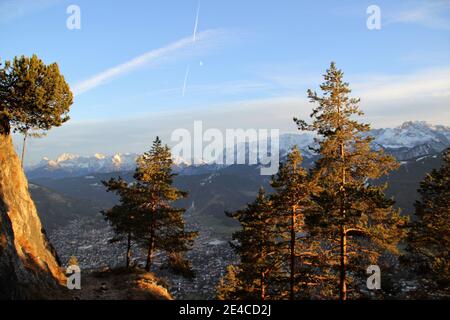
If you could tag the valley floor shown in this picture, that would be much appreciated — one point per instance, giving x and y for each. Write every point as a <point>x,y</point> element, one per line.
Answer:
<point>88,240</point>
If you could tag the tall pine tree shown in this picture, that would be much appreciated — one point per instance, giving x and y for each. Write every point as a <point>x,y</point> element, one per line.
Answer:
<point>292,198</point>
<point>122,217</point>
<point>256,245</point>
<point>229,287</point>
<point>146,212</point>
<point>161,225</point>
<point>353,212</point>
<point>429,236</point>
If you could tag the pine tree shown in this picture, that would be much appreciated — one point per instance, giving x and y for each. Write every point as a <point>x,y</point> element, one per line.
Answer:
<point>178,263</point>
<point>292,198</point>
<point>123,217</point>
<point>229,287</point>
<point>73,261</point>
<point>161,226</point>
<point>146,213</point>
<point>34,97</point>
<point>353,212</point>
<point>429,236</point>
<point>256,245</point>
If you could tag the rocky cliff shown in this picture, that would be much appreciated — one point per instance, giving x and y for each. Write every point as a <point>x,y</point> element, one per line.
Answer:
<point>28,266</point>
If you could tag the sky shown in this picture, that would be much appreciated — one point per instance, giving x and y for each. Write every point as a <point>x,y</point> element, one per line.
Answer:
<point>144,68</point>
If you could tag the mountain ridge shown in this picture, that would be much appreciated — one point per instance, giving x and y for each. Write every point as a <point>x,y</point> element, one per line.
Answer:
<point>409,140</point>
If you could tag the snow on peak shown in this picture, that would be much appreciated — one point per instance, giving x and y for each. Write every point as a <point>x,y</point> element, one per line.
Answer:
<point>414,138</point>
<point>87,164</point>
<point>117,159</point>
<point>411,134</point>
<point>66,157</point>
<point>414,124</point>
<point>52,163</point>
<point>179,161</point>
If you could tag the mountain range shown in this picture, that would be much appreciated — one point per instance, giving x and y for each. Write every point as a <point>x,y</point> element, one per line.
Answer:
<point>210,194</point>
<point>410,140</point>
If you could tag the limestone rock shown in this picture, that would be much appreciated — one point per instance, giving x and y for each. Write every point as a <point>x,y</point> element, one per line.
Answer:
<point>29,268</point>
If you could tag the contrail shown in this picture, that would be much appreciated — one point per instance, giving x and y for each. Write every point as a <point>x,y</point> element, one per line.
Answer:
<point>185,79</point>
<point>196,22</point>
<point>194,35</point>
<point>139,61</point>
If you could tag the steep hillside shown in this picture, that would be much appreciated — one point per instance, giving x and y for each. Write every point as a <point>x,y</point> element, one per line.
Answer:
<point>28,266</point>
<point>209,194</point>
<point>56,209</point>
<point>404,182</point>
<point>229,189</point>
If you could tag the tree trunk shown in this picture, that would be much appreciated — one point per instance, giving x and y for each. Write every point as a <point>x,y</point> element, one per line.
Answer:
<point>25,135</point>
<point>292,249</point>
<point>343,235</point>
<point>151,243</point>
<point>263,275</point>
<point>5,127</point>
<point>343,266</point>
<point>263,285</point>
<point>128,249</point>
<point>148,264</point>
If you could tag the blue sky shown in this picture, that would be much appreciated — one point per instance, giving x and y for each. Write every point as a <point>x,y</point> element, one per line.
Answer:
<point>137,71</point>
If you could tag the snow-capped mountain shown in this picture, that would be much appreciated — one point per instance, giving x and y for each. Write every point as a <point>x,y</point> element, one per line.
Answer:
<point>253,149</point>
<point>71,165</point>
<point>412,134</point>
<point>410,140</point>
<point>74,165</point>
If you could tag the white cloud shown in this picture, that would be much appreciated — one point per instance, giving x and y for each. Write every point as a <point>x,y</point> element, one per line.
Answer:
<point>431,14</point>
<point>387,88</point>
<point>149,57</point>
<point>230,87</point>
<point>387,100</point>
<point>134,134</point>
<point>14,9</point>
<point>391,88</point>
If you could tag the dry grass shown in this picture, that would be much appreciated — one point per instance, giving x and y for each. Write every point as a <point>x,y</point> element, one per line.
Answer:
<point>122,284</point>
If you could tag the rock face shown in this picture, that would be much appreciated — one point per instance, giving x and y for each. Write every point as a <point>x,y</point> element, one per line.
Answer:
<point>28,265</point>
